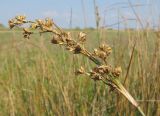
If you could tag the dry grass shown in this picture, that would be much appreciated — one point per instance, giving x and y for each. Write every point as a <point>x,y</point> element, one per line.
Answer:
<point>103,71</point>
<point>38,79</point>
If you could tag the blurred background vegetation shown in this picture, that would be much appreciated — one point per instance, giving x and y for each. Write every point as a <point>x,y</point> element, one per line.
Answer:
<point>37,78</point>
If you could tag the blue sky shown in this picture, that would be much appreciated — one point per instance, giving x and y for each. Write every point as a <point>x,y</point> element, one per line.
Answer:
<point>111,11</point>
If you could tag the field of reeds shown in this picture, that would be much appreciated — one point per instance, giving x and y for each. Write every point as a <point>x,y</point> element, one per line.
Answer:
<point>38,78</point>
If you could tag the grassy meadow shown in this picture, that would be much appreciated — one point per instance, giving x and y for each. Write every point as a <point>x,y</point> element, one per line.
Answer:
<point>37,78</point>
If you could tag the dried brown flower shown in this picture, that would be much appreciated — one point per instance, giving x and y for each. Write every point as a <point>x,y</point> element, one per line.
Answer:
<point>40,22</point>
<point>77,49</point>
<point>48,23</point>
<point>11,23</point>
<point>80,71</point>
<point>100,54</point>
<point>27,33</point>
<point>21,19</point>
<point>95,76</point>
<point>57,39</point>
<point>34,26</point>
<point>117,71</point>
<point>82,37</point>
<point>103,72</point>
<point>69,38</point>
<point>107,49</point>
<point>18,20</point>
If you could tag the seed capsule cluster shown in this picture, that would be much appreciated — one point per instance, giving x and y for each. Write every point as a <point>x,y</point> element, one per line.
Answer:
<point>101,72</point>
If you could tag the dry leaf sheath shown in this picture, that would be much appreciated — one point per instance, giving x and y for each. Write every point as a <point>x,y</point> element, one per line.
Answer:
<point>102,72</point>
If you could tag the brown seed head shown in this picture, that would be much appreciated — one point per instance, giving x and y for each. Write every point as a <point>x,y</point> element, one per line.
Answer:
<point>77,49</point>
<point>107,49</point>
<point>95,76</point>
<point>100,54</point>
<point>40,22</point>
<point>69,38</point>
<point>82,37</point>
<point>103,69</point>
<point>80,71</point>
<point>11,23</point>
<point>57,39</point>
<point>117,71</point>
<point>26,33</point>
<point>34,25</point>
<point>48,23</point>
<point>21,18</point>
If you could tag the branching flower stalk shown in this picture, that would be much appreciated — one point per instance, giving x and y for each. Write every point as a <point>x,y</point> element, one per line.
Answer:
<point>102,72</point>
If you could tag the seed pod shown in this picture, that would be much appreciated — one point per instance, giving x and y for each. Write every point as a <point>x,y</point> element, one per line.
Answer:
<point>68,38</point>
<point>40,22</point>
<point>48,23</point>
<point>80,71</point>
<point>102,55</point>
<point>56,39</point>
<point>77,49</point>
<point>34,26</point>
<point>11,23</point>
<point>117,71</point>
<point>20,18</point>
<point>82,37</point>
<point>26,33</point>
<point>107,49</point>
<point>95,76</point>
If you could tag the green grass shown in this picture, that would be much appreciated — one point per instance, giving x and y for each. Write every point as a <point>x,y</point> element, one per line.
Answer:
<point>37,78</point>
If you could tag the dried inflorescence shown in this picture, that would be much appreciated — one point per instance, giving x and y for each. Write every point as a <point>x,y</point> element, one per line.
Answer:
<point>18,20</point>
<point>103,51</point>
<point>102,72</point>
<point>62,38</point>
<point>82,37</point>
<point>117,71</point>
<point>80,71</point>
<point>26,33</point>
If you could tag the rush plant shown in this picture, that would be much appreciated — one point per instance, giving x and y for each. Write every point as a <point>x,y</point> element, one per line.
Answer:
<point>103,71</point>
